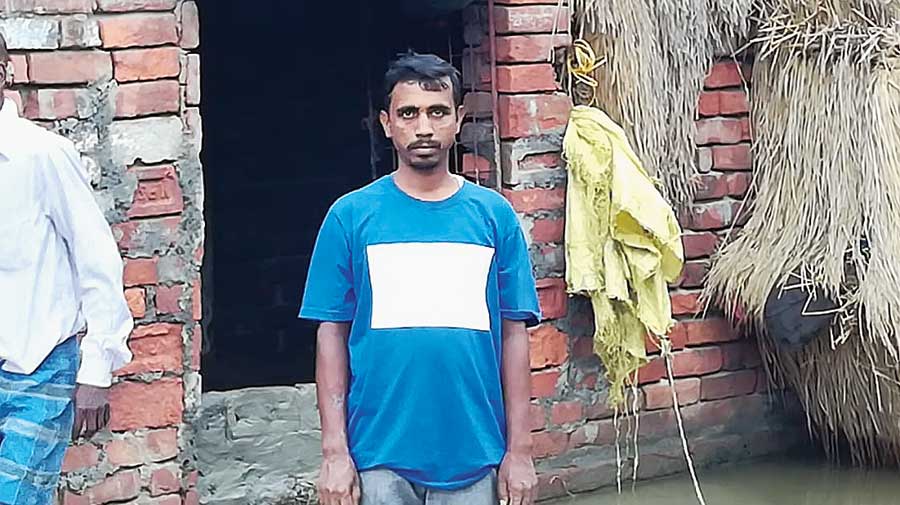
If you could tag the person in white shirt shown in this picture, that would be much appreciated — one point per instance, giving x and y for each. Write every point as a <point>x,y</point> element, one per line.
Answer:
<point>60,271</point>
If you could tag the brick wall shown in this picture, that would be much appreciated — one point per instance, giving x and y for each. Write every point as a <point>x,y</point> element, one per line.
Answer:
<point>727,412</point>
<point>121,79</point>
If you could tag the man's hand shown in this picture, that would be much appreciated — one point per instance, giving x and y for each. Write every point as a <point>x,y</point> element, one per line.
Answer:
<point>91,410</point>
<point>338,481</point>
<point>517,480</point>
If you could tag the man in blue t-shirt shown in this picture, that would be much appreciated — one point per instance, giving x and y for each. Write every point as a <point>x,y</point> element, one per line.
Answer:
<point>423,286</point>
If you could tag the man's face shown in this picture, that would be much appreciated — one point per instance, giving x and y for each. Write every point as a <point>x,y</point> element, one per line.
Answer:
<point>422,122</point>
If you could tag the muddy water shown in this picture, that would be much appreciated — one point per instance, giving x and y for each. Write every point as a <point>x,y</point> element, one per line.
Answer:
<point>761,483</point>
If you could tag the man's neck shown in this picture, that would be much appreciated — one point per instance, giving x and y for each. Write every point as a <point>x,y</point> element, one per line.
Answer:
<point>430,185</point>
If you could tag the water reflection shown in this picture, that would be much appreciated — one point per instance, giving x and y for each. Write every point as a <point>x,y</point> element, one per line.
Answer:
<point>762,483</point>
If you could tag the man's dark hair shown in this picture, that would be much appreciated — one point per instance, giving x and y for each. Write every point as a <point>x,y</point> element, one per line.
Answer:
<point>426,69</point>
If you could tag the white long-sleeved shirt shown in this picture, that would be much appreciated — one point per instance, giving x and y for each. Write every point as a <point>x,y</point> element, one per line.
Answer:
<point>59,265</point>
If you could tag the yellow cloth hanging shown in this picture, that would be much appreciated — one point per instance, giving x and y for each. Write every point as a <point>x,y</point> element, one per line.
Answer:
<point>623,243</point>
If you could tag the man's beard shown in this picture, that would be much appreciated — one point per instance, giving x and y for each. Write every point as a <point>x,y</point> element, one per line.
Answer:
<point>426,164</point>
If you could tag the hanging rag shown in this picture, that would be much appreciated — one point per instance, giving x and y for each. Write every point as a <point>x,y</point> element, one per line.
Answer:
<point>623,244</point>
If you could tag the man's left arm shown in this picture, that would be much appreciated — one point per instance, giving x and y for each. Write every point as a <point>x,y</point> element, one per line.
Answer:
<point>98,273</point>
<point>517,478</point>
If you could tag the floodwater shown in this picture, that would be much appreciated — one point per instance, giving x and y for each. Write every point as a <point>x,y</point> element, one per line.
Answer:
<point>760,483</point>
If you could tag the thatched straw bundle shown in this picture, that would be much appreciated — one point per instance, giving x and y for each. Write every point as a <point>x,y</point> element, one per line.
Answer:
<point>656,55</point>
<point>826,116</point>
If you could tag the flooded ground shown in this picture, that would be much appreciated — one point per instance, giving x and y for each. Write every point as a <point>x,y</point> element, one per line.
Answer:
<point>761,483</point>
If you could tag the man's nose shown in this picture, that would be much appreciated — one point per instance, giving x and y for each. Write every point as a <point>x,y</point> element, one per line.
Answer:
<point>424,127</point>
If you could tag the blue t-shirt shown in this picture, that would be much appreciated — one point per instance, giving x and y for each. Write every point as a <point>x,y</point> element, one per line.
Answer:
<point>426,286</point>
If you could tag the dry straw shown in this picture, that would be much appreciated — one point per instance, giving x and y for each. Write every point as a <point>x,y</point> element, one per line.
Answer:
<point>656,54</point>
<point>826,116</point>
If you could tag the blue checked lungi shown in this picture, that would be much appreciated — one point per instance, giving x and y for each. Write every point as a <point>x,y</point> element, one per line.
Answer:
<point>36,416</point>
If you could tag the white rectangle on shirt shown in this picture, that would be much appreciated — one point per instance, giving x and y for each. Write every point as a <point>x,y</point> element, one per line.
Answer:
<point>430,285</point>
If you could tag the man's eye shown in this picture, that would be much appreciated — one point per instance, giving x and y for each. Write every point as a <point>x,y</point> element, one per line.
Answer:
<point>438,113</point>
<point>408,114</point>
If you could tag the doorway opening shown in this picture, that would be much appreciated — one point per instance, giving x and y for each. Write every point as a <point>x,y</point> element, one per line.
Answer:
<point>291,92</point>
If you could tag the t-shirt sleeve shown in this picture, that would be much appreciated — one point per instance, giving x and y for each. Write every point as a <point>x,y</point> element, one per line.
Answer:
<point>329,295</point>
<point>518,293</point>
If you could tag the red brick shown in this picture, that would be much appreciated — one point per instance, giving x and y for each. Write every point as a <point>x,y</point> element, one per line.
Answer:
<point>677,339</point>
<point>659,396</point>
<point>538,417</point>
<point>553,298</point>
<point>137,302</point>
<point>652,371</point>
<point>164,481</point>
<point>543,384</point>
<point>658,424</point>
<point>137,30</point>
<point>62,6</point>
<point>158,192</point>
<point>699,245</point>
<point>529,48</point>
<point>196,303</point>
<point>68,67</point>
<point>147,98</point>
<point>548,346</point>
<point>526,78</point>
<point>735,157</point>
<point>120,487</point>
<point>146,64</point>
<point>593,433</point>
<point>694,274</point>
<point>138,405</point>
<point>192,498</point>
<point>728,384</point>
<point>152,447</point>
<point>739,184</point>
<point>140,271</point>
<point>542,161</point>
<point>168,299</point>
<point>135,5</point>
<point>196,347</point>
<point>714,103</point>
<point>70,498</point>
<point>566,412</point>
<point>726,75</point>
<point>190,25</point>
<point>583,347</point>
<point>531,200</point>
<point>156,348</point>
<point>130,234</point>
<point>51,104</point>
<point>549,443</point>
<point>684,304</point>
<point>172,499</point>
<point>709,331</point>
<point>721,131</point>
<point>599,408</point>
<point>531,19</point>
<point>527,115</point>
<point>711,187</point>
<point>739,355</point>
<point>697,362</point>
<point>80,457</point>
<point>20,64</point>
<point>588,381</point>
<point>477,104</point>
<point>548,230</point>
<point>709,216</point>
<point>477,167</point>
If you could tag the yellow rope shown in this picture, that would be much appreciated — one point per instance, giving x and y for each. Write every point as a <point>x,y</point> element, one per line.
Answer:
<point>582,63</point>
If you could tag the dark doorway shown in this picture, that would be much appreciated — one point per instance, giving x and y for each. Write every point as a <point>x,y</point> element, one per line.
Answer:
<point>288,89</point>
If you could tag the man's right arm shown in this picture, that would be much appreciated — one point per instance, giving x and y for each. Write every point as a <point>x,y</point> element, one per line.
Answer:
<point>338,480</point>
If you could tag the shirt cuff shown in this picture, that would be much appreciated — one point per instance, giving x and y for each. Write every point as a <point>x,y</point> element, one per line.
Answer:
<point>97,364</point>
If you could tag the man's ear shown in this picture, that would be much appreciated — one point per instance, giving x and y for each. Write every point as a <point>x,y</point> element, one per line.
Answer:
<point>460,116</point>
<point>385,119</point>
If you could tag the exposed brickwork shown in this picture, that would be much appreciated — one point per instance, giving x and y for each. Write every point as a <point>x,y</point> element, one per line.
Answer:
<point>85,67</point>
<point>717,370</point>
